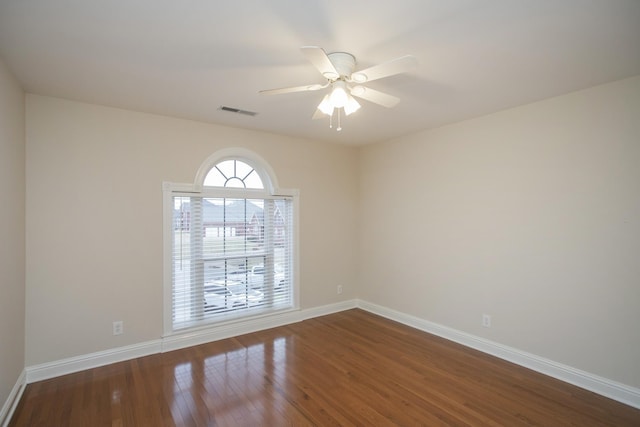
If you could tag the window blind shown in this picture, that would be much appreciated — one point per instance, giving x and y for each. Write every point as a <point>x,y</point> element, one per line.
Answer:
<point>231,258</point>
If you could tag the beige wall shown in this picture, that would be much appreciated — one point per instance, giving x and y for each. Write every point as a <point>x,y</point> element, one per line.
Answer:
<point>12,229</point>
<point>94,214</point>
<point>531,215</point>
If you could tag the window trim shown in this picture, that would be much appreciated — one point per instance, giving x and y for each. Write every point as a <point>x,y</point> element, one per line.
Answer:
<point>271,190</point>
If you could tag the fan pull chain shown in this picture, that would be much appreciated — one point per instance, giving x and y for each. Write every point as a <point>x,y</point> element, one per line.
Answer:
<point>339,128</point>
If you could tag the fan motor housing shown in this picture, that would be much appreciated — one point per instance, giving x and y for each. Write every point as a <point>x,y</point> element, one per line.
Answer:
<point>343,62</point>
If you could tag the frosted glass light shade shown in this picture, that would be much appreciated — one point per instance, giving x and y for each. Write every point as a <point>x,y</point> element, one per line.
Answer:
<point>351,106</point>
<point>325,106</point>
<point>339,95</point>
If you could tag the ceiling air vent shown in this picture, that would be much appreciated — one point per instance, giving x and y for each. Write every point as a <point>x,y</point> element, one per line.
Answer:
<point>237,111</point>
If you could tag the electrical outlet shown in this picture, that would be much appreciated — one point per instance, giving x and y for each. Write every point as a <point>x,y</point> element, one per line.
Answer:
<point>486,320</point>
<point>339,289</point>
<point>118,327</point>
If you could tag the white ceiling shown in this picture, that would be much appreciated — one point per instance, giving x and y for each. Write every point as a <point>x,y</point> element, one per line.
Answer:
<point>187,58</point>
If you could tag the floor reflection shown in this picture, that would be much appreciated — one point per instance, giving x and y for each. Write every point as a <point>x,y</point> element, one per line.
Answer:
<point>232,384</point>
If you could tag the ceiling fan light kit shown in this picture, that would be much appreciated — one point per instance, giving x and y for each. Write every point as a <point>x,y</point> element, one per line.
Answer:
<point>326,107</point>
<point>339,95</point>
<point>338,68</point>
<point>351,106</point>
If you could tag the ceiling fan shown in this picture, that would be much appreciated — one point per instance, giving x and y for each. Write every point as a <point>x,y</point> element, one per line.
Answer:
<point>338,68</point>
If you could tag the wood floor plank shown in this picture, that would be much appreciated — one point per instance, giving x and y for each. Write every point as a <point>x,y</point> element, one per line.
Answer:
<point>346,369</point>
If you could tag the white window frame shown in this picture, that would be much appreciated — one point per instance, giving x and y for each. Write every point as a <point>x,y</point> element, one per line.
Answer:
<point>171,189</point>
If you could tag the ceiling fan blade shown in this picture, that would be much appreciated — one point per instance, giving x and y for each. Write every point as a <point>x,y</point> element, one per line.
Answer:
<point>375,96</point>
<point>318,57</point>
<point>386,69</point>
<point>292,89</point>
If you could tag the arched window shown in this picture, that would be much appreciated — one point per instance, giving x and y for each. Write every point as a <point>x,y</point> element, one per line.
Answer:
<point>233,173</point>
<point>232,236</point>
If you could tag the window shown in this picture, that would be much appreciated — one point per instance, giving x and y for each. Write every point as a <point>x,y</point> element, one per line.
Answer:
<point>231,246</point>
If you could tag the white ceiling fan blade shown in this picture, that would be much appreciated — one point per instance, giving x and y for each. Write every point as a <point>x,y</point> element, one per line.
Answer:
<point>318,57</point>
<point>292,89</point>
<point>375,96</point>
<point>386,69</point>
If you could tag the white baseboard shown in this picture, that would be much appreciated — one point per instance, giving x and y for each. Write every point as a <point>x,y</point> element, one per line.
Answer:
<point>176,341</point>
<point>603,386</point>
<point>241,327</point>
<point>328,309</point>
<point>227,330</point>
<point>12,400</point>
<point>92,360</point>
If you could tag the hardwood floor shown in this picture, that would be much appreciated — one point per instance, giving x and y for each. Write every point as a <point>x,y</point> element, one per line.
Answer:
<point>349,368</point>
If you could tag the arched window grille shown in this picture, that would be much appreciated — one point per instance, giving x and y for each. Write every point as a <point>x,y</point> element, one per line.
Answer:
<point>234,174</point>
